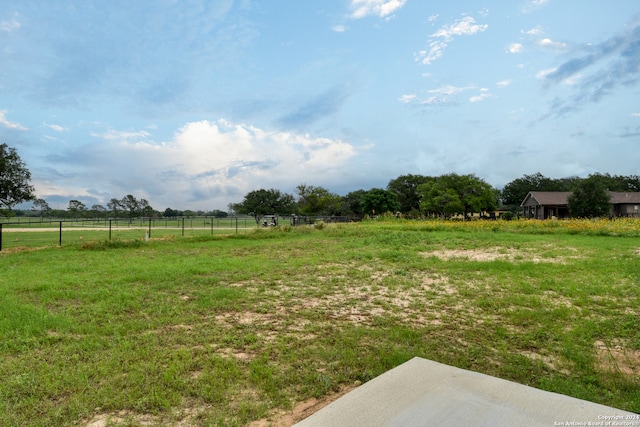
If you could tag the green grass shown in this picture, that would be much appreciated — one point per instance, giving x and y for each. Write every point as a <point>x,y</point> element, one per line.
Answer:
<point>224,330</point>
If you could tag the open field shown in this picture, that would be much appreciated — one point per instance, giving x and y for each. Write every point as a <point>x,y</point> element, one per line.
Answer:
<point>230,330</point>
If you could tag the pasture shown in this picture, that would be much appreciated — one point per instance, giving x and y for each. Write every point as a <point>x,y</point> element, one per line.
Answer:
<point>233,329</point>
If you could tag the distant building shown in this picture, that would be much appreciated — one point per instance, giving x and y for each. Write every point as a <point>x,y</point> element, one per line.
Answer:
<point>554,204</point>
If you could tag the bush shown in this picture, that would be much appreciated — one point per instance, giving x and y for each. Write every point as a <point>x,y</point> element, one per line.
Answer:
<point>507,216</point>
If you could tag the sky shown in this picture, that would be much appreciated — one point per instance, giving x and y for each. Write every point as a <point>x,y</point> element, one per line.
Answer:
<point>191,104</point>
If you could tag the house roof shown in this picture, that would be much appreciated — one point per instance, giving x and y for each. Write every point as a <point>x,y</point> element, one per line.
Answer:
<point>620,198</point>
<point>560,198</point>
<point>548,197</point>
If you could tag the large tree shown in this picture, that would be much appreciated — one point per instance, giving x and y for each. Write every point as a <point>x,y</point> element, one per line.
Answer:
<point>76,208</point>
<point>114,206</point>
<point>131,205</point>
<point>14,179</point>
<point>41,205</point>
<point>617,182</point>
<point>457,194</point>
<point>589,199</point>
<point>378,201</point>
<point>406,188</point>
<point>263,202</point>
<point>352,203</point>
<point>98,211</point>
<point>317,200</point>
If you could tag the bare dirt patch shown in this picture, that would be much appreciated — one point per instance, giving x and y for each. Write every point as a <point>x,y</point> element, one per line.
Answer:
<point>496,254</point>
<point>301,411</point>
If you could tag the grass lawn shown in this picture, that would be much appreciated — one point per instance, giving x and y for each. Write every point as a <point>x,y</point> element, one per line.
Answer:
<point>226,330</point>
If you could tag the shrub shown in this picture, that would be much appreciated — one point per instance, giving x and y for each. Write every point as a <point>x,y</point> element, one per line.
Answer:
<point>507,216</point>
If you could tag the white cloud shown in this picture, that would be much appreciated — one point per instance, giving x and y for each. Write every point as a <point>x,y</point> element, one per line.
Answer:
<point>56,128</point>
<point>544,73</point>
<point>339,28</point>
<point>503,83</point>
<point>448,90</point>
<point>9,26</point>
<point>443,95</point>
<point>534,31</point>
<point>484,94</point>
<point>380,8</point>
<point>440,39</point>
<point>532,5</point>
<point>515,48</point>
<point>635,114</point>
<point>211,163</point>
<point>546,42</point>
<point>408,98</point>
<point>113,135</point>
<point>465,27</point>
<point>572,80</point>
<point>9,124</point>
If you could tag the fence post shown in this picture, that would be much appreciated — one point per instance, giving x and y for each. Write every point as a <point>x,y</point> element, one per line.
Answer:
<point>149,227</point>
<point>60,240</point>
<point>212,226</point>
<point>182,226</point>
<point>0,236</point>
<point>110,229</point>
<point>236,225</point>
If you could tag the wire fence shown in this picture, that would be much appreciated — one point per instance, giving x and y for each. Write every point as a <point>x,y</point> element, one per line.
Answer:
<point>43,232</point>
<point>23,233</point>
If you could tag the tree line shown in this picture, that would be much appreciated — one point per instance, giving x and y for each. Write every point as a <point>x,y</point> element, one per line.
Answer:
<point>445,196</point>
<point>127,207</point>
<point>413,196</point>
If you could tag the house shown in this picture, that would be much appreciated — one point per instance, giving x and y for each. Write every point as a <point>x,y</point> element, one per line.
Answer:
<point>546,204</point>
<point>554,204</point>
<point>625,204</point>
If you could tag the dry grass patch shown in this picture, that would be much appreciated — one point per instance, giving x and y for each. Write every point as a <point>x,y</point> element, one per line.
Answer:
<point>617,358</point>
<point>547,359</point>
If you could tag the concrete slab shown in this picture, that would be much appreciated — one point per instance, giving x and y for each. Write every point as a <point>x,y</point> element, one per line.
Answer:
<point>421,392</point>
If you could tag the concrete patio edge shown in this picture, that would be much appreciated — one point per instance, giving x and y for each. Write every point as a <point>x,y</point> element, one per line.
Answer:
<point>422,392</point>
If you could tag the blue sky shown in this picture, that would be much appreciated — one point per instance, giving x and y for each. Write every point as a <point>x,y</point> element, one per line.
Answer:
<point>191,104</point>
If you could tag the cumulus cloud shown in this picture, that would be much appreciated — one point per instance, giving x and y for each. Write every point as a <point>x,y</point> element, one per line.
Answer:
<point>439,40</point>
<point>481,96</point>
<point>9,124</point>
<point>207,164</point>
<point>515,48</point>
<point>380,8</point>
<point>503,83</point>
<point>547,42</point>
